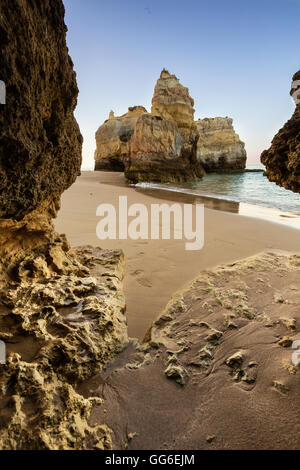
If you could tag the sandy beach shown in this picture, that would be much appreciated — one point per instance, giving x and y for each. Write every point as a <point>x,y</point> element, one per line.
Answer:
<point>156,269</point>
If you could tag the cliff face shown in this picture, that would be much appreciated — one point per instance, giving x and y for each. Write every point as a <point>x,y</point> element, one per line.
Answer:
<point>61,310</point>
<point>219,148</point>
<point>37,127</point>
<point>40,141</point>
<point>113,137</point>
<point>282,159</point>
<point>157,153</point>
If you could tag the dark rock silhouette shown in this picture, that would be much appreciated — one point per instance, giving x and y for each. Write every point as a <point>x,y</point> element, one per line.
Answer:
<point>282,159</point>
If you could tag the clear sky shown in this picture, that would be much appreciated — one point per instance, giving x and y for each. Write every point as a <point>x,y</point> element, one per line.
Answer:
<point>237,58</point>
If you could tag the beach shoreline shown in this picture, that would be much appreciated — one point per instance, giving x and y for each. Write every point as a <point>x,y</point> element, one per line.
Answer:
<point>156,269</point>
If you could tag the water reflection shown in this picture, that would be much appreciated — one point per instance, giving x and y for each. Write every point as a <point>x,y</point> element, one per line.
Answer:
<point>209,202</point>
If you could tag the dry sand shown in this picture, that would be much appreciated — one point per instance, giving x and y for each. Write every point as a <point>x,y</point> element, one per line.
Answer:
<point>156,269</point>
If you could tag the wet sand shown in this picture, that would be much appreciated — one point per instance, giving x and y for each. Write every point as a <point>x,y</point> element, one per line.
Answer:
<point>156,269</point>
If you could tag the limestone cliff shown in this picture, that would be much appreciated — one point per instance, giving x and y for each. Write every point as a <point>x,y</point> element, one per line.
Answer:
<point>157,153</point>
<point>37,127</point>
<point>113,137</point>
<point>155,156</point>
<point>282,159</point>
<point>61,310</point>
<point>219,148</point>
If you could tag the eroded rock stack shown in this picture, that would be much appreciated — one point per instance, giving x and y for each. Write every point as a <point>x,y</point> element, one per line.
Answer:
<point>282,159</point>
<point>61,310</point>
<point>113,139</point>
<point>174,148</point>
<point>157,153</point>
<point>160,146</point>
<point>219,148</point>
<point>172,103</point>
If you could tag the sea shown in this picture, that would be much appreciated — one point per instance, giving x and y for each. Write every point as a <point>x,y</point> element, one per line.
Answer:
<point>248,187</point>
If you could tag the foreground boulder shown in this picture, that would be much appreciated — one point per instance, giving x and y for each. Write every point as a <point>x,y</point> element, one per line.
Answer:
<point>59,330</point>
<point>157,153</point>
<point>61,310</point>
<point>216,369</point>
<point>113,137</point>
<point>282,159</point>
<point>219,148</point>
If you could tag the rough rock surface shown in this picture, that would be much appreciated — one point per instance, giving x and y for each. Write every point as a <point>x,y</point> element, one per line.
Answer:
<point>172,102</point>
<point>40,142</point>
<point>157,153</point>
<point>59,330</point>
<point>113,138</point>
<point>219,148</point>
<point>213,372</point>
<point>282,159</point>
<point>61,310</point>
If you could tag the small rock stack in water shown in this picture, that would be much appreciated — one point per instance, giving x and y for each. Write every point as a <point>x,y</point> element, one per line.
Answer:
<point>219,148</point>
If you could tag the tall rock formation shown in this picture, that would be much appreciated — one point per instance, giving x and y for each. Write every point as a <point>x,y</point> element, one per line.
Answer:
<point>113,137</point>
<point>209,144</point>
<point>163,146</point>
<point>282,159</point>
<point>172,101</point>
<point>40,141</point>
<point>214,347</point>
<point>157,153</point>
<point>61,310</point>
<point>219,148</point>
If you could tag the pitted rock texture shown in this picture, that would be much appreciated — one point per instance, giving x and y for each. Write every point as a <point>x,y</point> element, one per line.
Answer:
<point>113,139</point>
<point>59,329</point>
<point>219,148</point>
<point>212,372</point>
<point>282,159</point>
<point>157,153</point>
<point>40,142</point>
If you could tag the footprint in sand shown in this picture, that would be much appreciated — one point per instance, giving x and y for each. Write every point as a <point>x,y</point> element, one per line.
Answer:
<point>137,272</point>
<point>143,281</point>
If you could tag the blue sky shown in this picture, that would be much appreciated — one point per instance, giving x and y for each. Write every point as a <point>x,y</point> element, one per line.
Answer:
<point>237,58</point>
